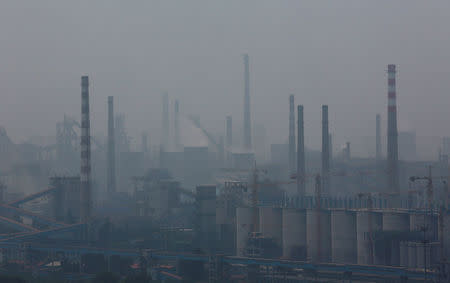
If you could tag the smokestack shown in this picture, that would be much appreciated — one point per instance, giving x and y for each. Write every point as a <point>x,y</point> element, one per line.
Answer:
<point>229,139</point>
<point>347,151</point>
<point>330,148</point>
<point>393,181</point>
<point>378,138</point>
<point>165,121</point>
<point>111,173</point>
<point>325,151</point>
<point>144,143</point>
<point>176,126</point>
<point>300,152</point>
<point>291,135</point>
<point>85,149</point>
<point>247,126</point>
<point>221,152</point>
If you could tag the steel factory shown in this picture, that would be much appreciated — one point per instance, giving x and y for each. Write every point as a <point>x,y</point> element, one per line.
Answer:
<point>214,213</point>
<point>224,141</point>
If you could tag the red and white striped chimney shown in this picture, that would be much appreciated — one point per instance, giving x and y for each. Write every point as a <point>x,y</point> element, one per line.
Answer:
<point>85,149</point>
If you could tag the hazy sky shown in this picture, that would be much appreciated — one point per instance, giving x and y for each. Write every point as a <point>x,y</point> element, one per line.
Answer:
<point>325,52</point>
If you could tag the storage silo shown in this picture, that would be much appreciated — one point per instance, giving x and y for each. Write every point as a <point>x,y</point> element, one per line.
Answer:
<point>343,236</point>
<point>318,235</point>
<point>367,222</point>
<point>294,233</point>
<point>243,228</point>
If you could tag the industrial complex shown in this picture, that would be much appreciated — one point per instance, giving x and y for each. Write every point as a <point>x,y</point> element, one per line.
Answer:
<point>214,213</point>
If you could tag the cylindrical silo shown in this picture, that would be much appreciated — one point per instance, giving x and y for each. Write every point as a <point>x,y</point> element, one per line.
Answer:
<point>270,223</point>
<point>243,228</point>
<point>421,250</point>
<point>423,220</point>
<point>412,254</point>
<point>318,235</point>
<point>343,236</point>
<point>294,233</point>
<point>394,221</point>
<point>444,233</point>
<point>367,223</point>
<point>404,254</point>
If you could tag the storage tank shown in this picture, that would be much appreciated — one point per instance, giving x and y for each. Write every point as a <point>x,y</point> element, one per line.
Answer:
<point>270,223</point>
<point>419,220</point>
<point>394,221</point>
<point>343,236</point>
<point>243,228</point>
<point>318,235</point>
<point>444,237</point>
<point>412,254</point>
<point>294,233</point>
<point>366,222</point>
<point>404,254</point>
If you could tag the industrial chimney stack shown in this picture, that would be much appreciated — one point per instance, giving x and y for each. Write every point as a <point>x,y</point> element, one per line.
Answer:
<point>291,135</point>
<point>247,123</point>
<point>85,149</point>
<point>176,125</point>
<point>111,173</point>
<point>229,140</point>
<point>300,152</point>
<point>165,121</point>
<point>378,137</point>
<point>325,152</point>
<point>392,150</point>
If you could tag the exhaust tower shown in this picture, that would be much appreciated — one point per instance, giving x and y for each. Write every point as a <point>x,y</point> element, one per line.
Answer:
<point>247,123</point>
<point>392,150</point>
<point>300,152</point>
<point>325,151</point>
<point>111,173</point>
<point>85,150</point>
<point>291,135</point>
<point>165,121</point>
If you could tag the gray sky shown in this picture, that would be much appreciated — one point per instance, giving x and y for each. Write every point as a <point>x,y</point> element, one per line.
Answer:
<point>325,52</point>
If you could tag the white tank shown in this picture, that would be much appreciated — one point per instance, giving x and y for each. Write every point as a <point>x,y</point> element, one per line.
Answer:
<point>343,236</point>
<point>318,236</point>
<point>394,221</point>
<point>243,228</point>
<point>366,222</point>
<point>294,233</point>
<point>270,223</point>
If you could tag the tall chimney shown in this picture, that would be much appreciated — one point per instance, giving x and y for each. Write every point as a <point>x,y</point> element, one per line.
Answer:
<point>176,126</point>
<point>229,139</point>
<point>300,152</point>
<point>378,137</point>
<point>165,121</point>
<point>330,148</point>
<point>325,151</point>
<point>111,173</point>
<point>392,151</point>
<point>247,125</point>
<point>291,135</point>
<point>347,151</point>
<point>85,149</point>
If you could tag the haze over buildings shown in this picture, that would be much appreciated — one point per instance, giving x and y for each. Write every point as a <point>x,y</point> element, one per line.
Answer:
<point>225,142</point>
